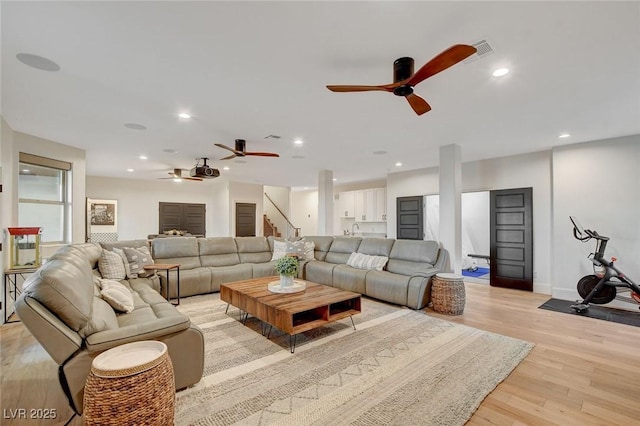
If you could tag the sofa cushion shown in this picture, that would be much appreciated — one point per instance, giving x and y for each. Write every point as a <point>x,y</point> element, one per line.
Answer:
<point>365,261</point>
<point>341,249</point>
<point>376,246</point>
<point>111,266</point>
<point>117,295</point>
<point>410,256</point>
<point>253,249</point>
<point>227,274</point>
<point>182,250</point>
<point>125,243</point>
<point>263,269</point>
<point>102,318</point>
<point>65,288</point>
<point>351,279</point>
<point>387,286</point>
<point>322,246</point>
<point>138,258</point>
<point>319,272</point>
<point>218,251</point>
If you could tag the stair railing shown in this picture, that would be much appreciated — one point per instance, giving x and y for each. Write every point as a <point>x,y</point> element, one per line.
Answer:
<point>290,226</point>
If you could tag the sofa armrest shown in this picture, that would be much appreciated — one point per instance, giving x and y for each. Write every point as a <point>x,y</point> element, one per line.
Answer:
<point>150,330</point>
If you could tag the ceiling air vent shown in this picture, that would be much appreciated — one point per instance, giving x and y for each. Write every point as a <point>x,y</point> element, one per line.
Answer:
<point>483,49</point>
<point>272,137</point>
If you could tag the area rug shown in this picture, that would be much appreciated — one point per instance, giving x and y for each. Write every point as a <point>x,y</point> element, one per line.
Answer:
<point>598,312</point>
<point>399,367</point>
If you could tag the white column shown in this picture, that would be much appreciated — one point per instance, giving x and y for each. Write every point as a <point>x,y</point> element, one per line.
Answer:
<point>450,203</point>
<point>325,202</point>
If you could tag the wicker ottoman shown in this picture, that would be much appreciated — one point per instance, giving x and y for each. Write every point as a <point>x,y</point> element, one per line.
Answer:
<point>447,294</point>
<point>132,384</point>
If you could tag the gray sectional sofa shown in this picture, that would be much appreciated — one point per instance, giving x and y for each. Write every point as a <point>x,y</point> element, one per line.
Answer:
<point>208,262</point>
<point>62,307</point>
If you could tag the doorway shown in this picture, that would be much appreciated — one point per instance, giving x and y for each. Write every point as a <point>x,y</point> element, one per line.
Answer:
<point>187,217</point>
<point>410,219</point>
<point>245,220</point>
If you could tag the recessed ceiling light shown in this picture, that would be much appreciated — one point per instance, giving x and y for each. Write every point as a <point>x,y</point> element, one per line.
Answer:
<point>130,170</point>
<point>306,187</point>
<point>177,180</point>
<point>398,164</point>
<point>184,115</point>
<point>334,179</point>
<point>169,151</point>
<point>298,142</point>
<point>143,157</point>
<point>135,126</point>
<point>379,152</point>
<point>38,62</point>
<point>500,72</point>
<point>564,135</point>
<point>225,168</point>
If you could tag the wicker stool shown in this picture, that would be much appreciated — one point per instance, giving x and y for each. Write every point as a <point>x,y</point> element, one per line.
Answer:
<point>131,384</point>
<point>447,294</point>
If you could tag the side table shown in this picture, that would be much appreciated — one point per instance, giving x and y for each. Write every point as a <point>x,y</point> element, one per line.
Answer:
<point>168,267</point>
<point>11,280</point>
<point>448,294</point>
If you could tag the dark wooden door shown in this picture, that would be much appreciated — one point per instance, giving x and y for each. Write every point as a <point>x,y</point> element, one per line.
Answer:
<point>183,217</point>
<point>511,250</point>
<point>245,220</point>
<point>410,218</point>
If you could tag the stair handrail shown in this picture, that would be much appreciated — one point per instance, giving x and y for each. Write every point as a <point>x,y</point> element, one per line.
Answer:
<point>296,231</point>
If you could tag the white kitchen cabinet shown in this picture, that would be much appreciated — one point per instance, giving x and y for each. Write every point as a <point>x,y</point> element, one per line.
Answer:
<point>381,205</point>
<point>359,206</point>
<point>346,202</point>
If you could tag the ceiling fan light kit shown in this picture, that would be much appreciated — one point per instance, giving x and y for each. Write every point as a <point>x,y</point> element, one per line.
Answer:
<point>404,79</point>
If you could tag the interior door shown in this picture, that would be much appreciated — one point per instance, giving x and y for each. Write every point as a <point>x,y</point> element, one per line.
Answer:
<point>410,220</point>
<point>245,220</point>
<point>183,217</point>
<point>511,242</point>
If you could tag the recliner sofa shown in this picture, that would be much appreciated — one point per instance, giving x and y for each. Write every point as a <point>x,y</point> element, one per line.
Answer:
<point>61,306</point>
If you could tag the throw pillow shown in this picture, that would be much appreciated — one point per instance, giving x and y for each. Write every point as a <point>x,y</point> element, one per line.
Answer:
<point>279,249</point>
<point>116,295</point>
<point>296,248</point>
<point>138,258</point>
<point>120,253</point>
<point>309,250</point>
<point>365,261</point>
<point>111,266</point>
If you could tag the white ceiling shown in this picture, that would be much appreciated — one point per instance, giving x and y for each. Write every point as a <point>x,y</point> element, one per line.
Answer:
<point>251,69</point>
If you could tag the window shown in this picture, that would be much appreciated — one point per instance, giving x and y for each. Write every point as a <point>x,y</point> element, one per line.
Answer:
<point>44,200</point>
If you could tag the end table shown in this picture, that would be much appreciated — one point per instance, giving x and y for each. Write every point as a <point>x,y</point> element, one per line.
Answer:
<point>168,267</point>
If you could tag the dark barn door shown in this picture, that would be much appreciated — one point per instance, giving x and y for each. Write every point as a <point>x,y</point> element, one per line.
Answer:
<point>183,217</point>
<point>410,218</point>
<point>512,238</point>
<point>245,220</point>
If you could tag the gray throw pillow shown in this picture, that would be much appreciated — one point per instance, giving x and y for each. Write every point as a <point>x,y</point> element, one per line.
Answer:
<point>138,258</point>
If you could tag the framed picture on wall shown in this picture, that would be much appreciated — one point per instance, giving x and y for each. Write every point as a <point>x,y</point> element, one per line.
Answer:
<point>102,217</point>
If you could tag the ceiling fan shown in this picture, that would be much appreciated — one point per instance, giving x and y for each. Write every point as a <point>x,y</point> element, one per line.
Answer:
<point>404,79</point>
<point>177,174</point>
<point>241,150</point>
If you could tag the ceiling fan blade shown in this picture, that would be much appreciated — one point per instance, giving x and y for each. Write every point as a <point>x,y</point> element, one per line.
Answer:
<point>358,88</point>
<point>227,148</point>
<point>441,62</point>
<point>419,105</point>
<point>229,157</point>
<point>192,178</point>
<point>263,154</point>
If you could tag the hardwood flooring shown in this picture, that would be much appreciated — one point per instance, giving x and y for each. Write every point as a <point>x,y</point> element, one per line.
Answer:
<point>582,371</point>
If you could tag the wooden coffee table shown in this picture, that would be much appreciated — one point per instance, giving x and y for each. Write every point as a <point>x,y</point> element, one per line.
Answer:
<point>292,313</point>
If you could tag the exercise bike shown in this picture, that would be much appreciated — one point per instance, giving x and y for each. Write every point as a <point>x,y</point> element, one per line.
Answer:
<point>601,287</point>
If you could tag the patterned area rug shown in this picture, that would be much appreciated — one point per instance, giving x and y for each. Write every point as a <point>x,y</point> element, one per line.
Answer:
<point>400,367</point>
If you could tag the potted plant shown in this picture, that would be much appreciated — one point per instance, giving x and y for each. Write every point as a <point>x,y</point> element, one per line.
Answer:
<point>287,267</point>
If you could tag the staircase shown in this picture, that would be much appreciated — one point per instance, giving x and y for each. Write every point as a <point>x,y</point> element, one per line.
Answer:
<point>269,228</point>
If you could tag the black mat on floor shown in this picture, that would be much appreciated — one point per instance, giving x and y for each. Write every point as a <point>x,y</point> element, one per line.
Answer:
<point>599,312</point>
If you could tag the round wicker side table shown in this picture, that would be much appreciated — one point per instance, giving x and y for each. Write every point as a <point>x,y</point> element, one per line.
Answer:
<point>131,384</point>
<point>447,294</point>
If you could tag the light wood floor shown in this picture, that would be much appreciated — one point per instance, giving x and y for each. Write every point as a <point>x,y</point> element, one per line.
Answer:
<point>582,371</point>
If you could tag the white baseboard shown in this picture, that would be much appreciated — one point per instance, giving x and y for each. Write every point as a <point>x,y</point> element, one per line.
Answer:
<point>542,288</point>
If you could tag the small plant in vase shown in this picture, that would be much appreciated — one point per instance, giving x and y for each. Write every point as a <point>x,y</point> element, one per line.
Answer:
<point>287,267</point>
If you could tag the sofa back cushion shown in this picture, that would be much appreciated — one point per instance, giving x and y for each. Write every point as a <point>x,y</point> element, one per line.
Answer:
<point>126,243</point>
<point>182,250</point>
<point>253,249</point>
<point>410,256</point>
<point>323,244</point>
<point>64,285</point>
<point>376,246</point>
<point>341,249</point>
<point>218,251</point>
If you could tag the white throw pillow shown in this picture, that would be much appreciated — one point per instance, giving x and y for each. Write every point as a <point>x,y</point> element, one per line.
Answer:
<point>365,261</point>
<point>116,295</point>
<point>279,249</point>
<point>309,250</point>
<point>111,266</point>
